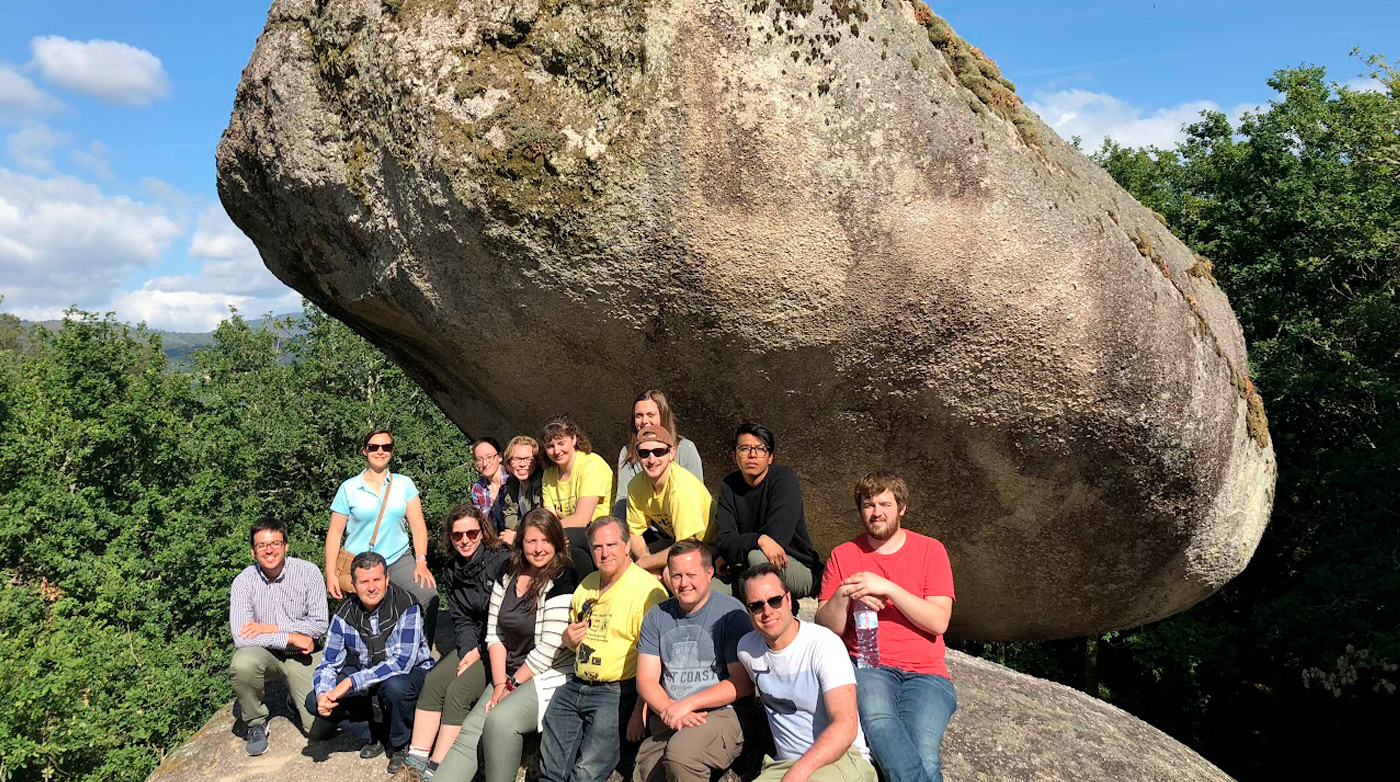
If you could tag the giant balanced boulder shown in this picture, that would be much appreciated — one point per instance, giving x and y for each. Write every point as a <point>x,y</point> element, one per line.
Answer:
<point>833,216</point>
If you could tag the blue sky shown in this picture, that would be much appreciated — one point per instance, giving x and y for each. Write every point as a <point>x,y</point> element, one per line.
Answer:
<point>110,112</point>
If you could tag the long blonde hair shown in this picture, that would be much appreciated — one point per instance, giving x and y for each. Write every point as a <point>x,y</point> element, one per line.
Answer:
<point>668,420</point>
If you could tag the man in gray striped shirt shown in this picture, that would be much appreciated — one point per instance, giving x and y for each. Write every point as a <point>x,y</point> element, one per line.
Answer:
<point>277,614</point>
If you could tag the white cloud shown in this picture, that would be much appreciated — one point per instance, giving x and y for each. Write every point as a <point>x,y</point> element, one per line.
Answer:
<point>232,274</point>
<point>1094,116</point>
<point>94,159</point>
<point>65,242</point>
<point>31,147</point>
<point>114,72</point>
<point>1364,84</point>
<point>19,97</point>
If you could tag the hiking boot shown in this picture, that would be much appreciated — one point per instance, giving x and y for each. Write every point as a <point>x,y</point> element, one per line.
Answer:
<point>257,739</point>
<point>417,763</point>
<point>371,750</point>
<point>396,761</point>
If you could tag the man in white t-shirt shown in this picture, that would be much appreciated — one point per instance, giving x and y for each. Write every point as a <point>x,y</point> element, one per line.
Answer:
<point>808,688</point>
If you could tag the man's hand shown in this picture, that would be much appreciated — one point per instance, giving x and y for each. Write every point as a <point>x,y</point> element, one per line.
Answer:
<point>676,715</point>
<point>866,584</point>
<point>775,553</point>
<point>422,577</point>
<point>325,704</point>
<point>637,725</point>
<point>794,774</point>
<point>573,634</point>
<point>333,585</point>
<point>250,629</point>
<point>301,642</point>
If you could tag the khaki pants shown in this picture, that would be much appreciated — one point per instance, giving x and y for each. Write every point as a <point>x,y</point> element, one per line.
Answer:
<point>850,767</point>
<point>253,665</point>
<point>689,754</point>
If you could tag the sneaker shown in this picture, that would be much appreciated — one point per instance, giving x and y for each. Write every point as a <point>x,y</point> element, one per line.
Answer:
<point>429,771</point>
<point>418,763</point>
<point>257,740</point>
<point>371,750</point>
<point>396,761</point>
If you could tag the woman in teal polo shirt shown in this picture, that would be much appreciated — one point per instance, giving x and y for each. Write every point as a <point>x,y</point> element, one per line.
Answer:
<point>355,513</point>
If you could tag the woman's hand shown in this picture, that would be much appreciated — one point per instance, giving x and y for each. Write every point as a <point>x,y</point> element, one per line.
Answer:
<point>496,697</point>
<point>422,577</point>
<point>333,585</point>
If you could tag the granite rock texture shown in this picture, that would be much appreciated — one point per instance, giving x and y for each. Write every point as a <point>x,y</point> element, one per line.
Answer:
<point>833,216</point>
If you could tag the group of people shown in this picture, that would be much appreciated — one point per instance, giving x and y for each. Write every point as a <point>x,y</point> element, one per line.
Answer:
<point>637,617</point>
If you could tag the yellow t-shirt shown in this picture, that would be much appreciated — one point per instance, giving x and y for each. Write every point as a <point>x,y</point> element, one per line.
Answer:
<point>608,651</point>
<point>592,477</point>
<point>683,507</point>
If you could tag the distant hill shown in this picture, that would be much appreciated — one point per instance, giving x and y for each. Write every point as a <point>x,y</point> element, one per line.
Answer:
<point>179,346</point>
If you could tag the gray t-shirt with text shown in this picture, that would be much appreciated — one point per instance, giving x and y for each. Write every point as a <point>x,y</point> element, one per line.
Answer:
<point>695,649</point>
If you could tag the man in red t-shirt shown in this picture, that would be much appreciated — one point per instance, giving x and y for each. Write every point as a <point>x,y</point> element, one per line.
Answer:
<point>906,701</point>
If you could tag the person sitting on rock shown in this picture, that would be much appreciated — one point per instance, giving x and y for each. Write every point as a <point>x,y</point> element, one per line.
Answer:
<point>689,675</point>
<point>807,687</point>
<point>577,485</point>
<point>374,664</point>
<point>598,705</point>
<point>759,516</point>
<point>665,503</point>
<point>524,487</point>
<point>906,694</point>
<point>491,476</point>
<point>277,614</point>
<point>650,409</point>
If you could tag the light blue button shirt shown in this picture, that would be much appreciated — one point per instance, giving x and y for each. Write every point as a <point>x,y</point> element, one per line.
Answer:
<point>361,504</point>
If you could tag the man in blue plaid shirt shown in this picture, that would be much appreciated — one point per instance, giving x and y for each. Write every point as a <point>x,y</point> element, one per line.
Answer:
<point>373,666</point>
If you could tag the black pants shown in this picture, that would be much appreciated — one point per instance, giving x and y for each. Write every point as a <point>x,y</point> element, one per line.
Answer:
<point>396,697</point>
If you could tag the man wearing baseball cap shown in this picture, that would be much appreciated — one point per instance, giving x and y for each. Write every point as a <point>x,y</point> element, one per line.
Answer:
<point>665,502</point>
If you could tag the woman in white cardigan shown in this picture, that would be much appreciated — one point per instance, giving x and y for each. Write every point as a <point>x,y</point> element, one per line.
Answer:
<point>529,611</point>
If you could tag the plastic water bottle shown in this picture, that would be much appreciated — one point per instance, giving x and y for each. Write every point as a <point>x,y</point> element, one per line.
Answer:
<point>867,636</point>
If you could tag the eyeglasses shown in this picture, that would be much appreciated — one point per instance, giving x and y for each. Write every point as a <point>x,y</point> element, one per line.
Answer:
<point>273,546</point>
<point>385,447</point>
<point>756,450</point>
<point>756,607</point>
<point>469,534</point>
<point>487,458</point>
<point>521,459</point>
<point>647,453</point>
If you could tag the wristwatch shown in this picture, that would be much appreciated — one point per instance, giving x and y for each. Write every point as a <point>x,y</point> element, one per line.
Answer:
<point>511,683</point>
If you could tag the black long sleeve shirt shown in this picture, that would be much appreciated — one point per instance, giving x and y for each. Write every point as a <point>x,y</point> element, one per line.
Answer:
<point>772,508</point>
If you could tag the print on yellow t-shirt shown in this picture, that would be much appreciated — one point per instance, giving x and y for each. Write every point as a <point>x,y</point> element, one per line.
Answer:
<point>592,477</point>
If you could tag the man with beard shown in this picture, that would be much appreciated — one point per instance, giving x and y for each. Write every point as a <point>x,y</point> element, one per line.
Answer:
<point>688,673</point>
<point>906,696</point>
<point>277,614</point>
<point>375,661</point>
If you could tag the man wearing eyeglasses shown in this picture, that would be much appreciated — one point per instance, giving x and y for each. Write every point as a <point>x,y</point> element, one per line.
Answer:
<point>807,686</point>
<point>759,516</point>
<point>665,502</point>
<point>906,694</point>
<point>688,673</point>
<point>277,613</point>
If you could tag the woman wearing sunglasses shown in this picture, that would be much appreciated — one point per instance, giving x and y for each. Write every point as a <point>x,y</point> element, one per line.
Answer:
<point>377,511</point>
<point>476,560</point>
<point>523,490</point>
<point>650,408</point>
<point>529,611</point>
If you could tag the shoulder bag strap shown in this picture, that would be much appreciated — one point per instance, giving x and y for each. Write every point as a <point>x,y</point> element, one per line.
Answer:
<point>388,479</point>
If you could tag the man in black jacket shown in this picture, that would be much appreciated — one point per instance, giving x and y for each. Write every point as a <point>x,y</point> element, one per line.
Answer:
<point>759,516</point>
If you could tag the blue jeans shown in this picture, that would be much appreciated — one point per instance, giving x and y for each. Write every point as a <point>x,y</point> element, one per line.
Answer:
<point>583,730</point>
<point>903,715</point>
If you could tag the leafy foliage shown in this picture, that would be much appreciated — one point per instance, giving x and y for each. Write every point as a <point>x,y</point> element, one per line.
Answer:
<point>1298,210</point>
<point>131,483</point>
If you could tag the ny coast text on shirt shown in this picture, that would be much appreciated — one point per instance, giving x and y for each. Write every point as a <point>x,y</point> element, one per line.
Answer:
<point>360,503</point>
<point>682,509</point>
<point>695,649</point>
<point>921,567</point>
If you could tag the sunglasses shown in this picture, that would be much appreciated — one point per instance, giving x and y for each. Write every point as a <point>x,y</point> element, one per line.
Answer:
<point>385,447</point>
<point>647,453</point>
<point>756,607</point>
<point>585,610</point>
<point>469,534</point>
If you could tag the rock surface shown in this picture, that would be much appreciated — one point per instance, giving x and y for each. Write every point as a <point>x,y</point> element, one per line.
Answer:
<point>1008,727</point>
<point>833,216</point>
